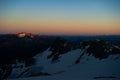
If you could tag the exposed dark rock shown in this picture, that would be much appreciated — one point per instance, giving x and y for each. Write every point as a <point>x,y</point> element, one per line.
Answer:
<point>105,77</point>
<point>5,71</point>
<point>59,47</point>
<point>40,74</point>
<point>100,49</point>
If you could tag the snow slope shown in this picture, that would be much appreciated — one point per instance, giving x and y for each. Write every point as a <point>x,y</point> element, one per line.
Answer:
<point>89,68</point>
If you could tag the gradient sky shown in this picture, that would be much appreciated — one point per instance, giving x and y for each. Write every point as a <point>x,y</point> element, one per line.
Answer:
<point>70,17</point>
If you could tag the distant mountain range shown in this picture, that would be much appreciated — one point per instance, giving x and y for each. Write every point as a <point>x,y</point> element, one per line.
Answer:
<point>25,56</point>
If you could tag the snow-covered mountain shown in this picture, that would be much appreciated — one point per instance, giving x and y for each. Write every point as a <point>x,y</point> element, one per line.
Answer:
<point>65,60</point>
<point>25,34</point>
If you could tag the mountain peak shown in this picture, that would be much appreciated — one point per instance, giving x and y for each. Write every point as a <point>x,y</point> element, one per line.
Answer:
<point>24,34</point>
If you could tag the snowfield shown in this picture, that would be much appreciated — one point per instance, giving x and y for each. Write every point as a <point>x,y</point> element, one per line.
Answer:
<point>89,68</point>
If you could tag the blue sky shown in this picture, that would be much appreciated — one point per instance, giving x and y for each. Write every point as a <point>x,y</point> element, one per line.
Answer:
<point>93,7</point>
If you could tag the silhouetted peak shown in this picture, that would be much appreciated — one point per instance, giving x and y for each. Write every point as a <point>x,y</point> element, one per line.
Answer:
<point>100,48</point>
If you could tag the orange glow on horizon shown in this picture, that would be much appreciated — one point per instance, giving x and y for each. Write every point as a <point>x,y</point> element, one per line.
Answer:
<point>69,27</point>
